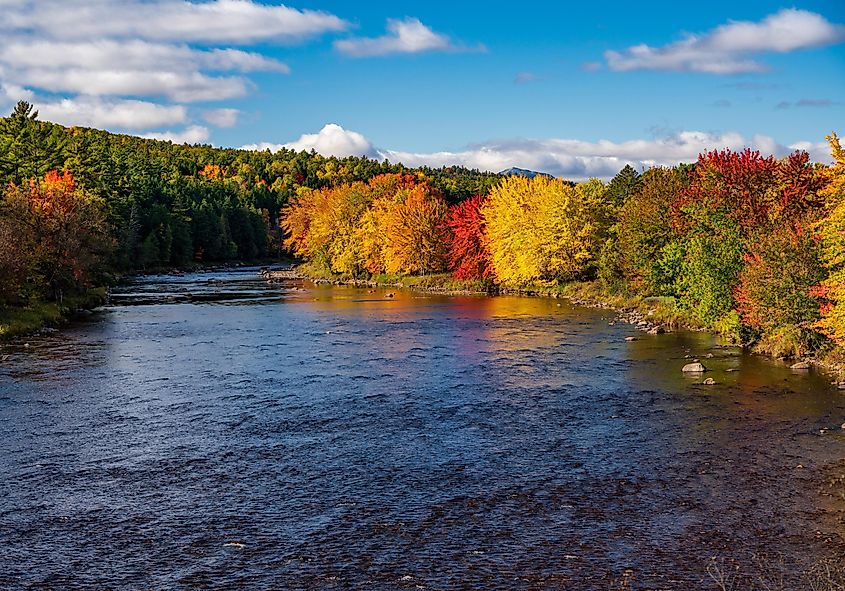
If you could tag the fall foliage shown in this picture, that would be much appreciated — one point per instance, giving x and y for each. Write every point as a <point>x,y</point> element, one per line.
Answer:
<point>543,229</point>
<point>831,230</point>
<point>469,257</point>
<point>749,244</point>
<point>59,231</point>
<point>393,224</point>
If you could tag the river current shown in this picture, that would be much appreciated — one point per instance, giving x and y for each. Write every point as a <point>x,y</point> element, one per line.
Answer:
<point>213,431</point>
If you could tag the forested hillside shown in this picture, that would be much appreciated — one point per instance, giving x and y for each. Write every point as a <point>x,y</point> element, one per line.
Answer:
<point>739,242</point>
<point>82,202</point>
<point>744,243</point>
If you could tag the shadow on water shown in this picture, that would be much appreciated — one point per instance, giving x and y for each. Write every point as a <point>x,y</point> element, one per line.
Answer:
<point>216,431</point>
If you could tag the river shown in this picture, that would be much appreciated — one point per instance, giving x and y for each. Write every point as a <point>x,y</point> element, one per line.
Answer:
<point>212,431</point>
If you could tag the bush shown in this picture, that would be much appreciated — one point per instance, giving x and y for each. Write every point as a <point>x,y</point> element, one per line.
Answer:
<point>773,294</point>
<point>710,267</point>
<point>644,231</point>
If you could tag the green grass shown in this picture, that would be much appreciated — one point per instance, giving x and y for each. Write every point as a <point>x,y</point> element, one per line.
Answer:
<point>22,320</point>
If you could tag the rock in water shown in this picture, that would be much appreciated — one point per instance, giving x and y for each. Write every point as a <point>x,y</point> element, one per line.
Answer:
<point>694,368</point>
<point>709,382</point>
<point>800,365</point>
<point>630,339</point>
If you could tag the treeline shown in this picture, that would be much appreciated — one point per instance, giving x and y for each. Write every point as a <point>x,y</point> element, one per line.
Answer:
<point>143,204</point>
<point>747,244</point>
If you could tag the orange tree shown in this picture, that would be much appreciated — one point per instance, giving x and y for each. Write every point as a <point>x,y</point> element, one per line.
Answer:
<point>61,232</point>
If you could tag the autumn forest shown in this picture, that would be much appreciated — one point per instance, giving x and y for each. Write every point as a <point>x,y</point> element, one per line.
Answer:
<point>741,243</point>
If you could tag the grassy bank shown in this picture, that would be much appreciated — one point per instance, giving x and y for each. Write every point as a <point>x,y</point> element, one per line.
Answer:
<point>17,321</point>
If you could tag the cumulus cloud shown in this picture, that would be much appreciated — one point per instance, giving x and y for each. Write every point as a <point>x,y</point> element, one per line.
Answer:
<point>135,55</point>
<point>177,86</point>
<point>222,117</point>
<point>568,158</point>
<point>730,48</point>
<point>332,140</point>
<point>408,35</point>
<point>218,21</point>
<point>104,57</point>
<point>195,134</point>
<point>122,114</point>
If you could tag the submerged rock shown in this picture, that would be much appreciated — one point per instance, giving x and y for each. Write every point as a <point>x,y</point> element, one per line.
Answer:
<point>630,339</point>
<point>709,382</point>
<point>694,368</point>
<point>800,365</point>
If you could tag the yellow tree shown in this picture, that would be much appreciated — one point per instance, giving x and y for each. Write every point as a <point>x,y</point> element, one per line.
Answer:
<point>416,235</point>
<point>544,229</point>
<point>832,233</point>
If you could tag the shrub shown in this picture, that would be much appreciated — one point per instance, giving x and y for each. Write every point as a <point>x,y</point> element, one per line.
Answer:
<point>773,293</point>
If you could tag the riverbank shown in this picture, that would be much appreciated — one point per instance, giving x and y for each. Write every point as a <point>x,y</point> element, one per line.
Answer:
<point>652,315</point>
<point>16,321</point>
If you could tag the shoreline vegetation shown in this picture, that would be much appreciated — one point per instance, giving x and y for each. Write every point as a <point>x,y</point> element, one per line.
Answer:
<point>741,244</point>
<point>651,315</point>
<point>44,316</point>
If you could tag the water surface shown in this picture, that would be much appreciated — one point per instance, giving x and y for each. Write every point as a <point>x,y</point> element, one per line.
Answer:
<point>212,431</point>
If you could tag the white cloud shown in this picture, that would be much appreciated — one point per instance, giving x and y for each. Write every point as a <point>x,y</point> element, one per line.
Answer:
<point>332,140</point>
<point>11,93</point>
<point>131,68</point>
<point>222,117</point>
<point>195,134</point>
<point>819,151</point>
<point>568,158</point>
<point>109,54</point>
<point>403,36</point>
<point>729,48</point>
<point>218,21</point>
<point>121,114</point>
<point>103,58</point>
<point>177,86</point>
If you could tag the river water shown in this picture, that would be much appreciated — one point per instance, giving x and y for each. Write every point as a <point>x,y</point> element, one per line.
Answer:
<point>211,431</point>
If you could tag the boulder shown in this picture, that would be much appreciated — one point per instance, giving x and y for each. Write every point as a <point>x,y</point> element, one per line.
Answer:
<point>694,368</point>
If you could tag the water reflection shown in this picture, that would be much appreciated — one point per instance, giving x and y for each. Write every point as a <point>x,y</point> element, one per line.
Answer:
<point>322,437</point>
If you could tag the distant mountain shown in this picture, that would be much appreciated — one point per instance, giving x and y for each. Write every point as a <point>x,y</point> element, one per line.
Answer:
<point>513,171</point>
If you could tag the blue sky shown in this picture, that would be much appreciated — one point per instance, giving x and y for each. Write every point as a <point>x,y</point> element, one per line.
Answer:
<point>548,85</point>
